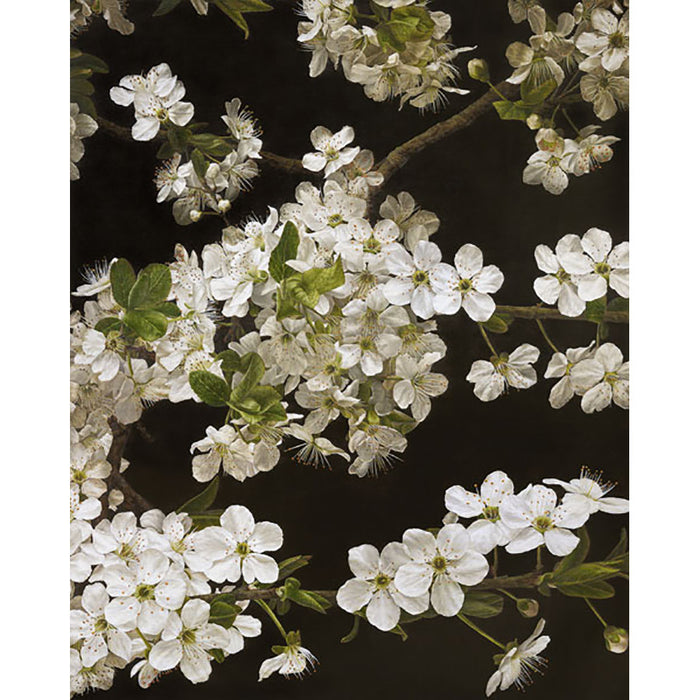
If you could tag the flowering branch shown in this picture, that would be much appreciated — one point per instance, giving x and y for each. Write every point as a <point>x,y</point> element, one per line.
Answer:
<point>403,153</point>
<point>538,312</point>
<point>291,166</point>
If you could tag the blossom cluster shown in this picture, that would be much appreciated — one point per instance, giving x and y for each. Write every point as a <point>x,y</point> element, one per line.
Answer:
<point>583,55</point>
<point>202,172</point>
<point>81,126</point>
<point>435,569</point>
<point>400,50</point>
<point>82,12</point>
<point>142,583</point>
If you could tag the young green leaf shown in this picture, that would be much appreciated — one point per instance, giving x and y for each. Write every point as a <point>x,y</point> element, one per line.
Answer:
<point>285,250</point>
<point>202,501</point>
<point>147,323</point>
<point>106,325</point>
<point>482,604</point>
<point>152,287</point>
<point>211,389</point>
<point>121,278</point>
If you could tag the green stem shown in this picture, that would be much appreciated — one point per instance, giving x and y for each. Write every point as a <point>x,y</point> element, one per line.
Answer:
<point>273,617</point>
<point>145,641</point>
<point>509,594</point>
<point>538,566</point>
<point>540,325</point>
<point>488,341</point>
<point>478,630</point>
<point>494,566</point>
<point>596,613</point>
<point>496,90</point>
<point>568,119</point>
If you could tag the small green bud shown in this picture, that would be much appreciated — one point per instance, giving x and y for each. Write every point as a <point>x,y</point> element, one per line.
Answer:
<point>617,639</point>
<point>528,607</point>
<point>479,70</point>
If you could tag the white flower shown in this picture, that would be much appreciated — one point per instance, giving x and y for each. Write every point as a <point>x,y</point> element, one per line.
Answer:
<point>186,639</point>
<point>220,448</point>
<point>609,40</point>
<point>417,384</point>
<point>292,661</point>
<point>560,366</point>
<point>156,99</point>
<point>469,286</point>
<point>330,154</point>
<point>559,285</point>
<point>145,591</point>
<point>602,378</point>
<point>86,509</point>
<point>99,355</point>
<point>413,277</point>
<point>605,90</point>
<point>593,150</point>
<point>374,445</point>
<point>489,530</point>
<point>442,565</point>
<point>243,626</point>
<point>326,406</point>
<point>81,126</point>
<point>171,178</point>
<point>605,266</point>
<point>540,520</point>
<point>589,491</point>
<point>89,624</point>
<point>519,662</point>
<point>549,165</point>
<point>374,586</point>
<point>243,127</point>
<point>237,547</point>
<point>313,449</point>
<point>492,377</point>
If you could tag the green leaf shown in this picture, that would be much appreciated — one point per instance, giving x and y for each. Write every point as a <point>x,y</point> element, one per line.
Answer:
<point>399,421</point>
<point>285,250</point>
<point>202,501</point>
<point>595,310</point>
<point>211,144</point>
<point>122,278</point>
<point>165,7</point>
<point>223,613</point>
<point>152,287</point>
<point>85,104</point>
<point>230,363</point>
<point>147,323</point>
<point>218,655</point>
<point>211,517</point>
<point>325,279</point>
<point>578,556</point>
<point>589,589</point>
<point>200,163</point>
<point>307,599</point>
<point>211,389</point>
<point>619,304</point>
<point>106,325</point>
<point>289,566</point>
<point>511,110</point>
<point>168,308</point>
<point>253,369</point>
<point>583,573</point>
<point>80,86</point>
<point>620,548</point>
<point>536,94</point>
<point>165,151</point>
<point>498,323</point>
<point>406,24</point>
<point>482,604</point>
<point>90,62</point>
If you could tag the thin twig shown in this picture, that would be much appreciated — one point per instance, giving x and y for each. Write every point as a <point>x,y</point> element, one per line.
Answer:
<point>537,312</point>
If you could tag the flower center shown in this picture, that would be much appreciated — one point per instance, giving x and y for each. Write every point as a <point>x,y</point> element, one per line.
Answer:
<point>465,286</point>
<point>144,591</point>
<point>602,268</point>
<point>188,637</point>
<point>101,625</point>
<point>491,513</point>
<point>335,220</point>
<point>420,277</point>
<point>617,40</point>
<point>439,564</point>
<point>382,581</point>
<point>242,549</point>
<point>542,523</point>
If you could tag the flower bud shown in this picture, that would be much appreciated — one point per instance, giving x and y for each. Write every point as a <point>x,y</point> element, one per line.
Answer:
<point>195,215</point>
<point>616,639</point>
<point>449,518</point>
<point>528,607</point>
<point>478,70</point>
<point>534,121</point>
<point>223,205</point>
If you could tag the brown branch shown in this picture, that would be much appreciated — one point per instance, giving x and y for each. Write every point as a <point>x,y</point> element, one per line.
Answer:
<point>537,312</point>
<point>133,500</point>
<point>281,163</point>
<point>401,154</point>
<point>530,580</point>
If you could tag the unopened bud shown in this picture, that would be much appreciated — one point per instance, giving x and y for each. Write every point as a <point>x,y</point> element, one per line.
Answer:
<point>617,639</point>
<point>528,607</point>
<point>195,215</point>
<point>449,518</point>
<point>534,121</point>
<point>478,70</point>
<point>223,205</point>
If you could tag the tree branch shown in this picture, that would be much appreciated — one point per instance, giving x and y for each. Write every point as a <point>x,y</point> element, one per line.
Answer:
<point>281,163</point>
<point>529,580</point>
<point>401,154</point>
<point>537,312</point>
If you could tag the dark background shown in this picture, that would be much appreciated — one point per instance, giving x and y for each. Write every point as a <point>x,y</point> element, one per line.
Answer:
<point>473,182</point>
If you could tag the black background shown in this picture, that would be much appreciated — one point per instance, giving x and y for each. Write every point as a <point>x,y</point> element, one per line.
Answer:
<point>473,182</point>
